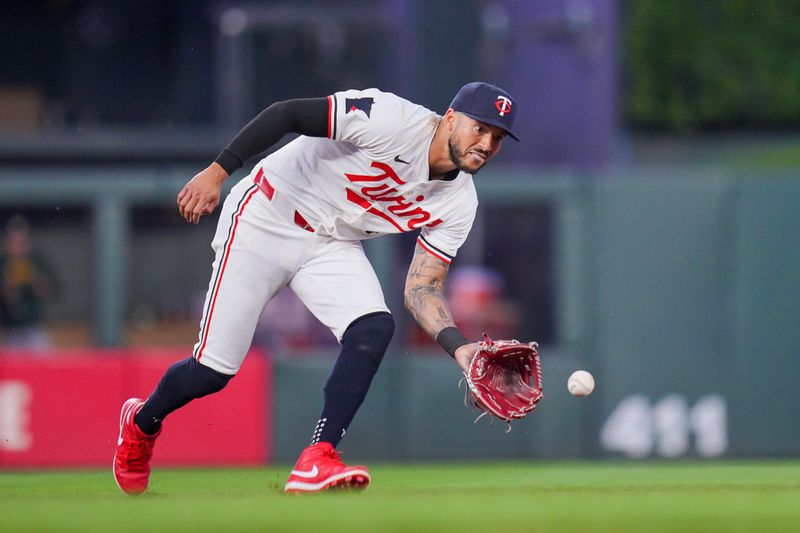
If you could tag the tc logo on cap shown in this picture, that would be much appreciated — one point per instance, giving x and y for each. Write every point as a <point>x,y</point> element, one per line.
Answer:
<point>503,105</point>
<point>486,103</point>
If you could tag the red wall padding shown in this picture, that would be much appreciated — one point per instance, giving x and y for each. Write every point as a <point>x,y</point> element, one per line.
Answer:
<point>63,410</point>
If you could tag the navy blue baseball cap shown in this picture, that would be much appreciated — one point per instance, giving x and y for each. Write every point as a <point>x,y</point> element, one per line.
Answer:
<point>487,103</point>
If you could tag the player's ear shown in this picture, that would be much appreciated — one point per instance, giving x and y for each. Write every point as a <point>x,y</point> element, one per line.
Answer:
<point>449,119</point>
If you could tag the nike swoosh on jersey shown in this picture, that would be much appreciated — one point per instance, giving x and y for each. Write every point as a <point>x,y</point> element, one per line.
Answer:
<point>306,474</point>
<point>397,158</point>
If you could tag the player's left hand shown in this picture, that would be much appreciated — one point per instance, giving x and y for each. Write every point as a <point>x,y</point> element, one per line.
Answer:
<point>505,378</point>
<point>201,195</point>
<point>464,355</point>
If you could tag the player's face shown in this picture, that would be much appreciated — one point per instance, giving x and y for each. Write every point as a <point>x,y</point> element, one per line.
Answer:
<point>472,143</point>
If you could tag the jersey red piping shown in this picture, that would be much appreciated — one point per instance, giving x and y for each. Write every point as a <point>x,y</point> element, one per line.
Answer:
<point>222,273</point>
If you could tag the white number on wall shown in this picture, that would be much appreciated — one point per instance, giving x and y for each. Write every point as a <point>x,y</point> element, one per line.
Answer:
<point>709,422</point>
<point>15,397</point>
<point>638,429</point>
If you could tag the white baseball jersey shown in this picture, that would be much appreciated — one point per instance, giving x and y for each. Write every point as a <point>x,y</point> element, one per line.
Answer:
<point>370,177</point>
<point>297,220</point>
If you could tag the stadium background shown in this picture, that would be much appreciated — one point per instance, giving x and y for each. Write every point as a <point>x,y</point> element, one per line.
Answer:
<point>645,229</point>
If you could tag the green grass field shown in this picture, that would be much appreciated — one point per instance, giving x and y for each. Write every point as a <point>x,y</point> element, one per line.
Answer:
<point>608,497</point>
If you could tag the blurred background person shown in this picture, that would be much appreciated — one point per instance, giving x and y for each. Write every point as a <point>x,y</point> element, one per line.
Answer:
<point>475,293</point>
<point>26,284</point>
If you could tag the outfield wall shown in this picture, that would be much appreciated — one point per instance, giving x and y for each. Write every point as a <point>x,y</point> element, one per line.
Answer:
<point>681,293</point>
<point>62,410</point>
<point>694,314</point>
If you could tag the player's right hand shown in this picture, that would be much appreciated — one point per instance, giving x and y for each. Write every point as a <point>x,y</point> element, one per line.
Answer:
<point>201,195</point>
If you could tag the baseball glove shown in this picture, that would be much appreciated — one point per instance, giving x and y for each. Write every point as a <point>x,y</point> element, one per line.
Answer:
<point>505,378</point>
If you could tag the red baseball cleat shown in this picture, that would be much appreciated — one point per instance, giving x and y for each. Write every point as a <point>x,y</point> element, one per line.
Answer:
<point>319,468</point>
<point>134,451</point>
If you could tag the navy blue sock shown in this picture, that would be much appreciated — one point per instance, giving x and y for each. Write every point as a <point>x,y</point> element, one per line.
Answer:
<point>363,346</point>
<point>182,382</point>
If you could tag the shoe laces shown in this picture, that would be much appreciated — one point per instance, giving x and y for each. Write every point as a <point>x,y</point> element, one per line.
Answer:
<point>138,453</point>
<point>335,455</point>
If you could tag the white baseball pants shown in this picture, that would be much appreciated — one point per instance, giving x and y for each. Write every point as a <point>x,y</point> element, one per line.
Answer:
<point>262,245</point>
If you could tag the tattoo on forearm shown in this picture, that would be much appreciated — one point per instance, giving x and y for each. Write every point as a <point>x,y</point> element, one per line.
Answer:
<point>424,295</point>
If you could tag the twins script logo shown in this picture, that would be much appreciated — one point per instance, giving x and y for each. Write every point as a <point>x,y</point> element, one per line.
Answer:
<point>503,105</point>
<point>381,189</point>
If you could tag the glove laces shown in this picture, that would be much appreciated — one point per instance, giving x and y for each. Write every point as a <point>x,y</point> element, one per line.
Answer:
<point>475,406</point>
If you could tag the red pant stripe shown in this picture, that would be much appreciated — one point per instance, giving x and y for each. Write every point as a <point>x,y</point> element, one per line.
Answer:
<point>225,256</point>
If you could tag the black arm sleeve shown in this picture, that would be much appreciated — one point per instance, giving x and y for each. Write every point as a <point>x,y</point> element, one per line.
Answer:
<point>306,116</point>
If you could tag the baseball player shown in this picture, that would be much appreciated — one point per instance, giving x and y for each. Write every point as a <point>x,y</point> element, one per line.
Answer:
<point>367,163</point>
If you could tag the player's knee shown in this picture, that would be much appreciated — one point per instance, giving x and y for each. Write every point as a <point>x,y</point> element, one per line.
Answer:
<point>194,379</point>
<point>213,381</point>
<point>370,335</point>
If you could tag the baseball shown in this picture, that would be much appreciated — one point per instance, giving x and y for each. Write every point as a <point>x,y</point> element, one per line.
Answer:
<point>580,383</point>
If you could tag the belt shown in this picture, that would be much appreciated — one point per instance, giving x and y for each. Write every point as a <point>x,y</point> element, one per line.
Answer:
<point>269,191</point>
